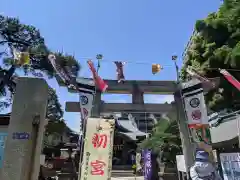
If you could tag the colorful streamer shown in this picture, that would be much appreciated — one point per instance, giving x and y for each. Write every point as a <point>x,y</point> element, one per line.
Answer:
<point>60,71</point>
<point>120,74</point>
<point>230,78</point>
<point>101,84</point>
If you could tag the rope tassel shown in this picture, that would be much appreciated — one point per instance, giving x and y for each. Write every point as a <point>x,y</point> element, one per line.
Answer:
<point>120,75</point>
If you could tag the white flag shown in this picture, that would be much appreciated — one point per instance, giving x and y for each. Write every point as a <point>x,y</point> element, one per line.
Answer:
<point>195,106</point>
<point>87,101</point>
<point>86,109</point>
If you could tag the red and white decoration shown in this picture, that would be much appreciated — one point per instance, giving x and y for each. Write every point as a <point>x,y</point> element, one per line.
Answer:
<point>230,78</point>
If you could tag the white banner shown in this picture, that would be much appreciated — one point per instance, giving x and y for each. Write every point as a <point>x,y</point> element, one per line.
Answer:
<point>87,103</point>
<point>98,147</point>
<point>195,106</point>
<point>86,107</point>
<point>181,165</point>
<point>230,163</point>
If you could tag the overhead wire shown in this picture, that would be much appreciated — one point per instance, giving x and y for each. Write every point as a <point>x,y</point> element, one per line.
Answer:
<point>127,62</point>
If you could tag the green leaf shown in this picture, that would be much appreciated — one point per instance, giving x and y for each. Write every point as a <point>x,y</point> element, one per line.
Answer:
<point>216,45</point>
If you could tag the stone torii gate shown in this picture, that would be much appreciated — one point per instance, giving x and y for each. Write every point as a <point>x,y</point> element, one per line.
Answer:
<point>136,88</point>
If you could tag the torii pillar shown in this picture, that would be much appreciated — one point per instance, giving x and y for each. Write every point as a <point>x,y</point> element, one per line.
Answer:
<point>22,152</point>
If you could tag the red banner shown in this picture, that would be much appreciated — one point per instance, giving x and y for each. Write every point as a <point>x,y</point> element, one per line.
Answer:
<point>101,84</point>
<point>230,78</point>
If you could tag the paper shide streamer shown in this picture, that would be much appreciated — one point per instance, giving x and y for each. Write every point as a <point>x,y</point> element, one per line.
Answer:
<point>120,74</point>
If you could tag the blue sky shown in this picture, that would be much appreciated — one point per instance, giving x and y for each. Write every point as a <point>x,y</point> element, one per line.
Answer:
<point>126,30</point>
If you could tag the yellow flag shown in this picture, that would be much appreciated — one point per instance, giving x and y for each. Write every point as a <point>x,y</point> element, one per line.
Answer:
<point>156,68</point>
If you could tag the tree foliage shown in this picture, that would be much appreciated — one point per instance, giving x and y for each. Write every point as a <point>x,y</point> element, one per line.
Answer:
<point>26,38</point>
<point>54,109</point>
<point>216,44</point>
<point>165,138</point>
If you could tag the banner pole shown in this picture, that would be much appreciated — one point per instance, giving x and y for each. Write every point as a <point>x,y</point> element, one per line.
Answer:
<point>238,130</point>
<point>81,136</point>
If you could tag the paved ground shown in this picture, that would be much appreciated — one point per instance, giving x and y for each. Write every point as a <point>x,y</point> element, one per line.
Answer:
<point>128,178</point>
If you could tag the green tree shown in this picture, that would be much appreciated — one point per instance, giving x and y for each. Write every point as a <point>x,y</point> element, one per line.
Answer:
<point>165,138</point>
<point>22,37</point>
<point>216,44</point>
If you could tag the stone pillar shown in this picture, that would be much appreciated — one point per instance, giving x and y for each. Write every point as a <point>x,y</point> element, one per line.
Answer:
<point>97,102</point>
<point>137,95</point>
<point>187,147</point>
<point>22,156</point>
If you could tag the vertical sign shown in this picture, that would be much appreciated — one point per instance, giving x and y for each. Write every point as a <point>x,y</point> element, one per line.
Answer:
<point>147,164</point>
<point>98,146</point>
<point>86,108</point>
<point>3,137</point>
<point>230,163</point>
<point>195,105</point>
<point>86,100</point>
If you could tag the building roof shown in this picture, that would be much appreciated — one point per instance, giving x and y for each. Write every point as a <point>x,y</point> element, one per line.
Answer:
<point>129,129</point>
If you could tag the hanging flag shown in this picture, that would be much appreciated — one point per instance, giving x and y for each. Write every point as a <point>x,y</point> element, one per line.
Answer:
<point>156,68</point>
<point>81,86</point>
<point>86,100</point>
<point>195,106</point>
<point>59,70</point>
<point>230,78</point>
<point>22,58</point>
<point>86,90</point>
<point>101,84</point>
<point>147,164</point>
<point>120,75</point>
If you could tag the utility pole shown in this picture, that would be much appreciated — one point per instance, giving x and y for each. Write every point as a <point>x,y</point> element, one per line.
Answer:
<point>187,146</point>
